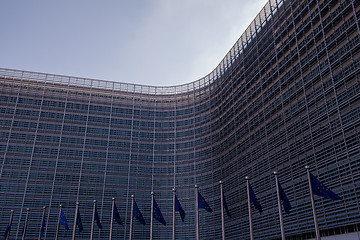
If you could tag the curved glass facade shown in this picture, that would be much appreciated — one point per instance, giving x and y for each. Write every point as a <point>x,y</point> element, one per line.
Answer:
<point>285,96</point>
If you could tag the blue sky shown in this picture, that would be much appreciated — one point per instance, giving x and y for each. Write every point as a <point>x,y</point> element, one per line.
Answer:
<point>150,42</point>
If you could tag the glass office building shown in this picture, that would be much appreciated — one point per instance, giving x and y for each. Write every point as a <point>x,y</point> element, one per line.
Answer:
<point>286,95</point>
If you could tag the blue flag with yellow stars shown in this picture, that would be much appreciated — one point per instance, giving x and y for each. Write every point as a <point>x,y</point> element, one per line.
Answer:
<point>63,221</point>
<point>284,199</point>
<point>97,218</point>
<point>138,215</point>
<point>116,215</point>
<point>226,207</point>
<point>321,190</point>
<point>157,214</point>
<point>7,231</point>
<point>203,204</point>
<point>254,200</point>
<point>43,225</point>
<point>79,222</point>
<point>179,208</point>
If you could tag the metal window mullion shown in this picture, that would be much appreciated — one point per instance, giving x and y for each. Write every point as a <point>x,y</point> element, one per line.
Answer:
<point>153,150</point>
<point>335,95</point>
<point>129,165</point>
<point>84,143</point>
<point>12,125</point>
<point>107,154</point>
<point>31,158</point>
<point>302,77</point>
<point>57,158</point>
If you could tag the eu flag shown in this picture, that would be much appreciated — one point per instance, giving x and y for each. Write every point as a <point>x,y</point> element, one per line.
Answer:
<point>116,215</point>
<point>157,214</point>
<point>203,204</point>
<point>42,230</point>
<point>7,231</point>
<point>226,207</point>
<point>97,218</point>
<point>138,214</point>
<point>179,208</point>
<point>321,190</point>
<point>284,199</point>
<point>254,200</point>
<point>63,221</point>
<point>79,222</point>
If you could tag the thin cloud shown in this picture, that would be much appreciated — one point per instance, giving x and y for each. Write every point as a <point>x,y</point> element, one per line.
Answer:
<point>151,42</point>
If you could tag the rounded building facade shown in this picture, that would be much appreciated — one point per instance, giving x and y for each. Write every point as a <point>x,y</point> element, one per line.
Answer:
<point>285,96</point>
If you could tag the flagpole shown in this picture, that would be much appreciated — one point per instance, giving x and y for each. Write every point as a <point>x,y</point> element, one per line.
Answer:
<point>249,207</point>
<point>26,223</point>
<point>10,222</point>
<point>222,210</point>
<point>152,215</point>
<point>197,212</point>
<point>92,222</point>
<point>173,215</point>
<point>112,217</point>
<point>132,216</point>
<point>279,206</point>
<point>58,225</point>
<point>42,219</point>
<point>317,231</point>
<point>75,220</point>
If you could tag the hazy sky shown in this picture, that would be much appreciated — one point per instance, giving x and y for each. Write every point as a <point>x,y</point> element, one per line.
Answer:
<point>151,42</point>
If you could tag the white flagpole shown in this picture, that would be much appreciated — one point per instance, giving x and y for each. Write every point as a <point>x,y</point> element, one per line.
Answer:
<point>10,222</point>
<point>26,223</point>
<point>58,224</point>
<point>222,210</point>
<point>197,212</point>
<point>112,217</point>
<point>92,222</point>
<point>132,216</point>
<point>42,218</point>
<point>249,207</point>
<point>317,231</point>
<point>75,220</point>
<point>279,206</point>
<point>152,215</point>
<point>173,215</point>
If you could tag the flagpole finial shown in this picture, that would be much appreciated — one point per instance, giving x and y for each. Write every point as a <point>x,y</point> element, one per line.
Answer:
<point>44,207</point>
<point>152,193</point>
<point>307,167</point>
<point>221,182</point>
<point>12,211</point>
<point>77,203</point>
<point>276,173</point>
<point>174,189</point>
<point>196,186</point>
<point>28,209</point>
<point>95,201</point>
<point>60,205</point>
<point>132,196</point>
<point>247,178</point>
<point>113,199</point>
